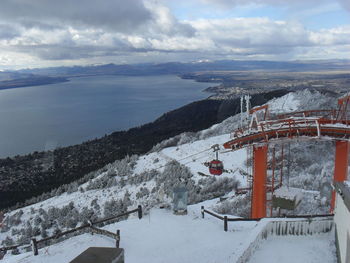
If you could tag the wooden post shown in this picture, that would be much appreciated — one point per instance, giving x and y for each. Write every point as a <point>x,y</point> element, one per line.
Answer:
<point>225,223</point>
<point>139,211</point>
<point>117,240</point>
<point>202,211</point>
<point>34,244</point>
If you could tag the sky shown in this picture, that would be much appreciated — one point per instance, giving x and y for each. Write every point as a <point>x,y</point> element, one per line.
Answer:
<point>45,33</point>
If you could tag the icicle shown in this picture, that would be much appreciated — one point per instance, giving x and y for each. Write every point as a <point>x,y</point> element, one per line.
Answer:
<point>292,229</point>
<point>276,228</point>
<point>299,229</point>
<point>304,228</point>
<point>325,226</point>
<point>316,227</point>
<point>287,228</point>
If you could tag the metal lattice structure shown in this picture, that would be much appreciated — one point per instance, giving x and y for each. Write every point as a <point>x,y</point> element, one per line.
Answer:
<point>313,124</point>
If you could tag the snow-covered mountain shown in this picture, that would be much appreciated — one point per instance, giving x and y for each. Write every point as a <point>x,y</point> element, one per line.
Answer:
<point>149,180</point>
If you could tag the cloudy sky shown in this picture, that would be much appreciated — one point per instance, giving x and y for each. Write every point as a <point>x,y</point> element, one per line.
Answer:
<point>41,33</point>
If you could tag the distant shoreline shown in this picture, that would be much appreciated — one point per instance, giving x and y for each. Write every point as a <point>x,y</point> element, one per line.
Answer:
<point>29,82</point>
<point>118,86</point>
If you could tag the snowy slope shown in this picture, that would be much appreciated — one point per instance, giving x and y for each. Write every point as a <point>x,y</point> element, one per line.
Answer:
<point>158,237</point>
<point>162,237</point>
<point>192,155</point>
<point>287,103</point>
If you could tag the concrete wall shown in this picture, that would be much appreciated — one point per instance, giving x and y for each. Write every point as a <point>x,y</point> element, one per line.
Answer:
<point>342,221</point>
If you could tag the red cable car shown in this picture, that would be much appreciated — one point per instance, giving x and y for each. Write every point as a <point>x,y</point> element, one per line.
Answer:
<point>216,166</point>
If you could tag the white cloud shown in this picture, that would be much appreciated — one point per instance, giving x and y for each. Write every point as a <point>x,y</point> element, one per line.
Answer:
<point>252,36</point>
<point>345,4</point>
<point>284,3</point>
<point>116,15</point>
<point>158,33</point>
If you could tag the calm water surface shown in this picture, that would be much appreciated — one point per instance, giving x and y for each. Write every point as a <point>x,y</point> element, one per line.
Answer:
<point>48,116</point>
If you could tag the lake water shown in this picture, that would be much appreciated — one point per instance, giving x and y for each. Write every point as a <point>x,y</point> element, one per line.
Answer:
<point>49,116</point>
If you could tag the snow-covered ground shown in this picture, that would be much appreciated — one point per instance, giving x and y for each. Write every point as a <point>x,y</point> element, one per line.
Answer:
<point>164,237</point>
<point>291,249</point>
<point>158,237</point>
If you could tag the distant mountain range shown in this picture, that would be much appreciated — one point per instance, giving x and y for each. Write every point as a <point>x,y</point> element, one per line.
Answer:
<point>40,76</point>
<point>180,68</point>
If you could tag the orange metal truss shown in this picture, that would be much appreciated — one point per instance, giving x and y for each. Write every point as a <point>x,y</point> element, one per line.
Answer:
<point>316,124</point>
<point>289,128</point>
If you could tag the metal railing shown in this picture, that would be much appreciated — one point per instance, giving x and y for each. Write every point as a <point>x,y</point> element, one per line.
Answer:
<point>226,219</point>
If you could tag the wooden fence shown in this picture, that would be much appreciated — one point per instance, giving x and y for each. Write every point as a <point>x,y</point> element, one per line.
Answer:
<point>35,243</point>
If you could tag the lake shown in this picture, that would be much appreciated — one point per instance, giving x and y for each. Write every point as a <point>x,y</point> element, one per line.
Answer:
<point>44,117</point>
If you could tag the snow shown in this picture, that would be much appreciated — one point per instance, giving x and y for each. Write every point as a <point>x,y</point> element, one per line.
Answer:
<point>162,236</point>
<point>347,183</point>
<point>290,249</point>
<point>158,237</point>
<point>62,252</point>
<point>286,103</point>
<point>289,193</point>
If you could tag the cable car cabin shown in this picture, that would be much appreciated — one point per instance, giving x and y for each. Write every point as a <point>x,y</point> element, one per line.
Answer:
<point>216,167</point>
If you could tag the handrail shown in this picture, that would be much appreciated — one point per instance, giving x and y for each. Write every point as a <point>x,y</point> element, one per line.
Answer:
<point>227,219</point>
<point>211,213</point>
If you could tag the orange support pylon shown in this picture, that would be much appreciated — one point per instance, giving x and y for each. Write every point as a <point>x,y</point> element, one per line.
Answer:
<point>259,182</point>
<point>341,163</point>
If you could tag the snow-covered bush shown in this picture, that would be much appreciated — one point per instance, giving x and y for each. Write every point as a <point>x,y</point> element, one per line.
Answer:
<point>143,192</point>
<point>238,206</point>
<point>87,215</point>
<point>113,207</point>
<point>7,242</point>
<point>142,177</point>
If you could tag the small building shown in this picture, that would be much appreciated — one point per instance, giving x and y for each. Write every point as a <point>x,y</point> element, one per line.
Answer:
<point>180,199</point>
<point>342,221</point>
